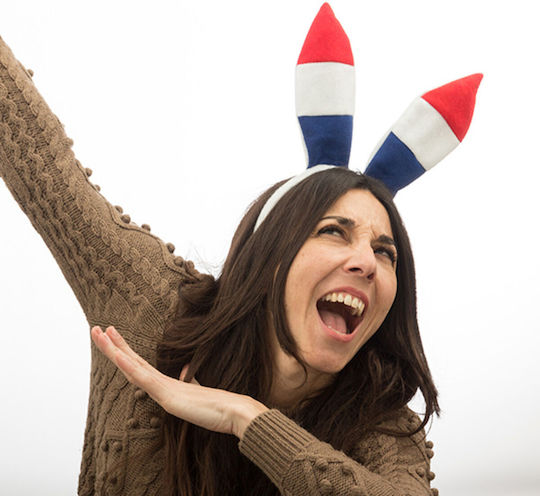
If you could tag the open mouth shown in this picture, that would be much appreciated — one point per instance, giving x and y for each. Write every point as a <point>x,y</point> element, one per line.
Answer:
<point>341,312</point>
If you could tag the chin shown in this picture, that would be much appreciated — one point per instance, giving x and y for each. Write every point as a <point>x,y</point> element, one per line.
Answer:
<point>326,365</point>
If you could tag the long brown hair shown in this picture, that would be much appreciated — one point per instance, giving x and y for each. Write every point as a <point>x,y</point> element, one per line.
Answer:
<point>220,328</point>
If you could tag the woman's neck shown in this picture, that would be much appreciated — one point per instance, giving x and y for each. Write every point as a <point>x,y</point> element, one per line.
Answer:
<point>289,387</point>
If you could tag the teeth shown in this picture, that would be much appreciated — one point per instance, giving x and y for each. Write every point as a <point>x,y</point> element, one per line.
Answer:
<point>357,306</point>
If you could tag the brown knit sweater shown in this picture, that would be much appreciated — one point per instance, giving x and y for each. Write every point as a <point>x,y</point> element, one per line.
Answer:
<point>122,275</point>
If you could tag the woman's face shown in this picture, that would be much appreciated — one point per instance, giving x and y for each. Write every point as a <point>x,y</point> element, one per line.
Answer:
<point>341,283</point>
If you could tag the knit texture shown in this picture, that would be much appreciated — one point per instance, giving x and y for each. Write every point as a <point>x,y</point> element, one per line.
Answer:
<point>120,273</point>
<point>123,275</point>
<point>381,465</point>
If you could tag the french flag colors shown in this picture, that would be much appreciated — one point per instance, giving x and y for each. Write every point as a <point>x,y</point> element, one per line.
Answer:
<point>325,91</point>
<point>432,126</point>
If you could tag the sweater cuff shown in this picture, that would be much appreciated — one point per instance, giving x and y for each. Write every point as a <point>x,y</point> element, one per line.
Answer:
<point>272,441</point>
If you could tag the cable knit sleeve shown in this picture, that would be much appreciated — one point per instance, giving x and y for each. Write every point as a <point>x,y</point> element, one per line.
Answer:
<point>119,272</point>
<point>299,464</point>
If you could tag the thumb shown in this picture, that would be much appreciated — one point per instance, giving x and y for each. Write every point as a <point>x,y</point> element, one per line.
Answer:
<point>184,372</point>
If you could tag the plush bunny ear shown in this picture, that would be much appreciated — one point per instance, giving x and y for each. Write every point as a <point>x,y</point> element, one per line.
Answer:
<point>432,126</point>
<point>324,101</point>
<point>325,91</point>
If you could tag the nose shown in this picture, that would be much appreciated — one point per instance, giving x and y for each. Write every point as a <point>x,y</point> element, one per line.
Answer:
<point>361,261</point>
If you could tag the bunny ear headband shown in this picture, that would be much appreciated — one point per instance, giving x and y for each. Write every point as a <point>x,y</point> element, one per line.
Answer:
<point>429,129</point>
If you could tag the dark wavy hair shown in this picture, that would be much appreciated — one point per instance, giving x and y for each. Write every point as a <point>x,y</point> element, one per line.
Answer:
<point>220,328</point>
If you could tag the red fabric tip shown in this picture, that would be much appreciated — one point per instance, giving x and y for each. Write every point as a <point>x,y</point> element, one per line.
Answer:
<point>455,102</point>
<point>326,40</point>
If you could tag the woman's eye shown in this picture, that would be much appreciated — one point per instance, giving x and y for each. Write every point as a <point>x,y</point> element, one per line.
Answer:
<point>333,230</point>
<point>388,253</point>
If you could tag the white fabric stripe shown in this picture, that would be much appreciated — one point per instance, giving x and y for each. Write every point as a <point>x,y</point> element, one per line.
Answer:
<point>425,132</point>
<point>324,88</point>
<point>278,194</point>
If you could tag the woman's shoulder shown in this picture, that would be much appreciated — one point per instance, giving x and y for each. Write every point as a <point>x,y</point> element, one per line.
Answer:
<point>403,420</point>
<point>394,446</point>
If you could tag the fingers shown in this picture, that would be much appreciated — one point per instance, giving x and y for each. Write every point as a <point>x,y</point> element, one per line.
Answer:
<point>184,372</point>
<point>119,341</point>
<point>136,370</point>
<point>110,349</point>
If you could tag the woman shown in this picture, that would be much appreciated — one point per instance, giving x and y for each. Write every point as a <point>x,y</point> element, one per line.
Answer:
<point>272,328</point>
<point>282,367</point>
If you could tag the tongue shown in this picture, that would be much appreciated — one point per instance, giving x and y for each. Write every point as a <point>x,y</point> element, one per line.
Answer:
<point>334,320</point>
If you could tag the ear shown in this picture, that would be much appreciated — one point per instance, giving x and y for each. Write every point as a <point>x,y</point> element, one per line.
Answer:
<point>432,126</point>
<point>325,91</point>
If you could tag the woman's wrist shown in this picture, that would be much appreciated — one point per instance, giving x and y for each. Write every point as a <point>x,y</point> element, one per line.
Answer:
<point>245,413</point>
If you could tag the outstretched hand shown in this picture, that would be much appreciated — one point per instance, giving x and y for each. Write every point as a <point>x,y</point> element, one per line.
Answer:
<point>214,409</point>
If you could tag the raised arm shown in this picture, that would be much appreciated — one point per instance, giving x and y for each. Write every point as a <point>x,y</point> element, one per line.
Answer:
<point>118,271</point>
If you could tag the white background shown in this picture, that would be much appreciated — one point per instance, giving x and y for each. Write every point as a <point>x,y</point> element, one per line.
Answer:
<point>185,112</point>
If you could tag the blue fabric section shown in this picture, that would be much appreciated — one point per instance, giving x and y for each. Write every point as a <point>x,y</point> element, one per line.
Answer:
<point>328,138</point>
<point>394,164</point>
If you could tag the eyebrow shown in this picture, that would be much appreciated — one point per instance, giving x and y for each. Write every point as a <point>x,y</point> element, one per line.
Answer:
<point>349,223</point>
